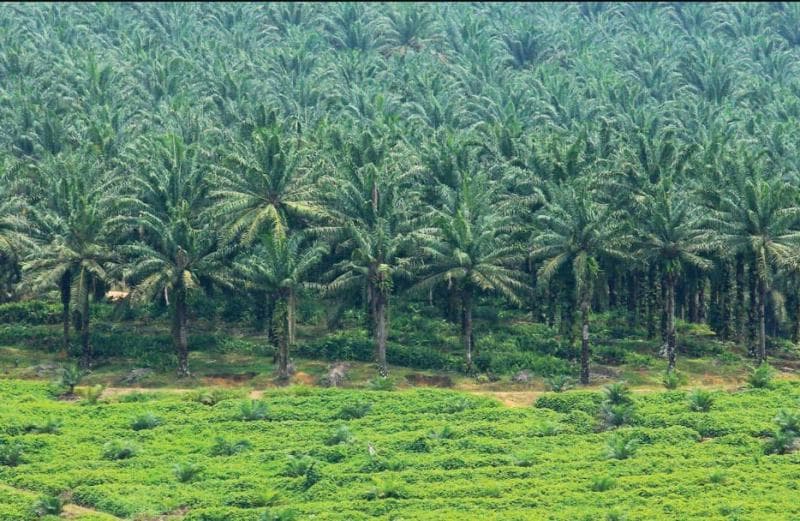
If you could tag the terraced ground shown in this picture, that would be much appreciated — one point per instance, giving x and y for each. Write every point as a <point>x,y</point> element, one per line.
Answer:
<point>413,454</point>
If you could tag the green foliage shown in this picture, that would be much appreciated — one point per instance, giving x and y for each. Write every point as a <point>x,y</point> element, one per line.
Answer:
<point>761,376</point>
<point>48,506</point>
<point>187,471</point>
<point>602,484</point>
<point>618,447</point>
<point>382,384</point>
<point>354,410</point>
<point>701,400</point>
<point>119,450</point>
<point>49,426</point>
<point>34,312</point>
<point>387,488</point>
<point>71,376</point>
<point>11,453</point>
<point>253,410</point>
<point>146,421</point>
<point>587,402</point>
<point>559,383</point>
<point>340,435</point>
<point>673,379</point>
<point>91,395</point>
<point>617,394</point>
<point>223,447</point>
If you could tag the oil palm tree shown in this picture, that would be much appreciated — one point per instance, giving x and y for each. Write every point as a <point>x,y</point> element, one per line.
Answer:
<point>761,222</point>
<point>370,205</point>
<point>573,229</point>
<point>178,250</point>
<point>469,247</point>
<point>280,266</point>
<point>669,233</point>
<point>77,247</point>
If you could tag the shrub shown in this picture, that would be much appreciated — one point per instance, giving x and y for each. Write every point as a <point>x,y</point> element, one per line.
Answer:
<point>340,435</point>
<point>717,477</point>
<point>186,472</point>
<point>282,515</point>
<point>700,400</point>
<point>620,448</point>
<point>761,376</point>
<point>354,410</point>
<point>617,393</point>
<point>50,426</point>
<point>35,312</point>
<point>560,382</point>
<point>672,380</point>
<point>788,422</point>
<point>585,401</point>
<point>445,434</point>
<point>252,410</point>
<point>71,376</point>
<point>602,483</point>
<point>389,487</point>
<point>298,465</point>
<point>382,384</point>
<point>223,447</point>
<point>523,460</point>
<point>419,445</point>
<point>91,395</point>
<point>616,414</point>
<point>207,396</point>
<point>119,450</point>
<point>11,454</point>
<point>48,506</point>
<point>145,421</point>
<point>781,442</point>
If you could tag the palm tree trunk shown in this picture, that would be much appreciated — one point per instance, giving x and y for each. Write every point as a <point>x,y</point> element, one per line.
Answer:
<point>670,313</point>
<point>652,298</point>
<point>86,348</point>
<point>738,311</point>
<point>796,325</point>
<point>762,332</point>
<point>291,306</point>
<point>585,309</point>
<point>179,334</point>
<point>751,310</point>
<point>381,331</point>
<point>466,326</point>
<point>65,287</point>
<point>282,316</point>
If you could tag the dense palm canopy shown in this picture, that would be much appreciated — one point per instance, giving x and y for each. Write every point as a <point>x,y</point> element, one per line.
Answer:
<point>641,152</point>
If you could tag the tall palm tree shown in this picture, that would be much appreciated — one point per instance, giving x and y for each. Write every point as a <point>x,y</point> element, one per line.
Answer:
<point>370,205</point>
<point>573,229</point>
<point>178,250</point>
<point>77,248</point>
<point>761,222</point>
<point>469,246</point>
<point>669,233</point>
<point>280,267</point>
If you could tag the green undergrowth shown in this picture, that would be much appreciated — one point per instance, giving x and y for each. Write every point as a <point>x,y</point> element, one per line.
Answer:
<point>337,454</point>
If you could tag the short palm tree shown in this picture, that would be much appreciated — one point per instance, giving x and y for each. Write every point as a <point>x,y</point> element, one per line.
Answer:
<point>761,222</point>
<point>669,233</point>
<point>178,250</point>
<point>77,247</point>
<point>469,247</point>
<point>280,267</point>
<point>574,229</point>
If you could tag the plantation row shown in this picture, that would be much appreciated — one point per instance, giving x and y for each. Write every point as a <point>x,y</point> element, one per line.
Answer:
<point>301,453</point>
<point>560,159</point>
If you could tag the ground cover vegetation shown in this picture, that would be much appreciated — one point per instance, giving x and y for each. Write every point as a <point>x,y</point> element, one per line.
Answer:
<point>416,454</point>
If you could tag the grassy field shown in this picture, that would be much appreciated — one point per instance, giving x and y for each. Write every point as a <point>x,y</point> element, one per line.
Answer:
<point>407,454</point>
